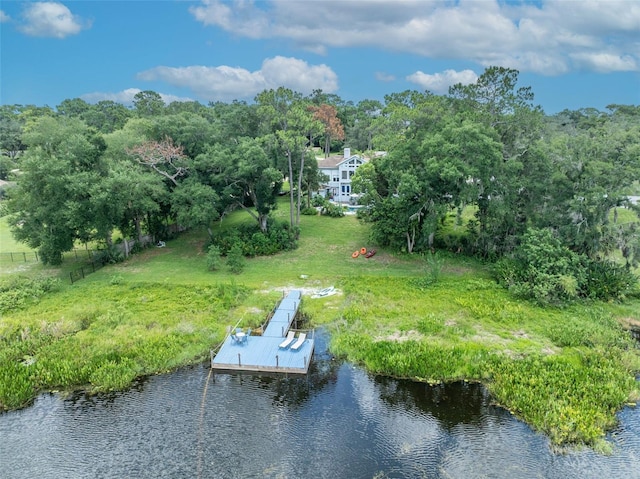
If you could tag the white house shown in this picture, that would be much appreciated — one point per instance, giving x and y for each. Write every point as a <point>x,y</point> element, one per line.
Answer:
<point>339,169</point>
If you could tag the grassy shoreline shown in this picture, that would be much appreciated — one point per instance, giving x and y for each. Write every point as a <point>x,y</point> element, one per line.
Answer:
<point>566,372</point>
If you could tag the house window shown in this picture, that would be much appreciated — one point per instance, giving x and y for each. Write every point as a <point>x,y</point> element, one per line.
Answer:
<point>346,189</point>
<point>344,175</point>
<point>336,178</point>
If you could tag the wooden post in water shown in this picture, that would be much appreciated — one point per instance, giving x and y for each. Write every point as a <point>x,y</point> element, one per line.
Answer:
<point>239,362</point>
<point>277,361</point>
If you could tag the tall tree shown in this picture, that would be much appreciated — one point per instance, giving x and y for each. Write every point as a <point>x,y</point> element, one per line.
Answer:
<point>244,177</point>
<point>137,193</point>
<point>107,116</point>
<point>496,102</point>
<point>148,103</point>
<point>333,130</point>
<point>11,124</point>
<point>362,130</point>
<point>54,202</point>
<point>75,107</point>
<point>163,157</point>
<point>287,118</point>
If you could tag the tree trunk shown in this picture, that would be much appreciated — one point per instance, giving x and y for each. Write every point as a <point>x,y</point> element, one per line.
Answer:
<point>431,238</point>
<point>300,174</point>
<point>262,221</point>
<point>291,205</point>
<point>138,229</point>
<point>411,240</point>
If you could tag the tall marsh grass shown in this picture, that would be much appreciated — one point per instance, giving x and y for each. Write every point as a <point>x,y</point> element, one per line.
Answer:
<point>103,340</point>
<point>565,372</point>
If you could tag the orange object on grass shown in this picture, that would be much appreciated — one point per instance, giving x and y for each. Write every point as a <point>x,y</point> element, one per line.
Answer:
<point>354,254</point>
<point>363,250</point>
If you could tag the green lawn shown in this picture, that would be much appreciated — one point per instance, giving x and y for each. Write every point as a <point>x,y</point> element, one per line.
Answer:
<point>7,243</point>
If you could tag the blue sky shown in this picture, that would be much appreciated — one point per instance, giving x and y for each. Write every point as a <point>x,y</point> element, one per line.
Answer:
<point>573,53</point>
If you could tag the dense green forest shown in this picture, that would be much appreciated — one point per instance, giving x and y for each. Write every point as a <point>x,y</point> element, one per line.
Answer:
<point>547,196</point>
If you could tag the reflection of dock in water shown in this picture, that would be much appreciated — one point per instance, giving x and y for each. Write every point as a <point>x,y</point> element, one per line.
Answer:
<point>265,353</point>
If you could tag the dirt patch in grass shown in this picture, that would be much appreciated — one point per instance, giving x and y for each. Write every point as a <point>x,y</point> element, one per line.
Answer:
<point>630,323</point>
<point>401,336</point>
<point>458,270</point>
<point>485,337</point>
<point>150,253</point>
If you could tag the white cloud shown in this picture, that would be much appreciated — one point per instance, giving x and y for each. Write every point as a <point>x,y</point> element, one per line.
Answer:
<point>440,82</point>
<point>126,97</point>
<point>50,19</point>
<point>225,83</point>
<point>549,37</point>
<point>605,62</point>
<point>385,77</point>
<point>4,17</point>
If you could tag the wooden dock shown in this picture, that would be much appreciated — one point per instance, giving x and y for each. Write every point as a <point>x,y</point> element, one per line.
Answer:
<point>262,353</point>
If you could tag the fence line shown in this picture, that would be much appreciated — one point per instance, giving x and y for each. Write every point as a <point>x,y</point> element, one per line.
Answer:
<point>124,247</point>
<point>83,271</point>
<point>22,257</point>
<point>27,256</point>
<point>94,264</point>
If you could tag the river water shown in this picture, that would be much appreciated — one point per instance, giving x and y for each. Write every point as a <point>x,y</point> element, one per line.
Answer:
<point>337,422</point>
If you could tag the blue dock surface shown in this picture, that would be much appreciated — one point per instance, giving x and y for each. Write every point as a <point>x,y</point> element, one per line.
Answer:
<point>263,353</point>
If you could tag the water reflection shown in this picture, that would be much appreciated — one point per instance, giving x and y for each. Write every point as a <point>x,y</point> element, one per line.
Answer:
<point>337,422</point>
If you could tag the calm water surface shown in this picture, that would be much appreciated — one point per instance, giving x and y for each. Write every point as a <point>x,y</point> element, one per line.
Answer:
<point>339,422</point>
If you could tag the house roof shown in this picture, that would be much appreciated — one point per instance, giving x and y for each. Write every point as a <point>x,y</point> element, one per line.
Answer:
<point>334,161</point>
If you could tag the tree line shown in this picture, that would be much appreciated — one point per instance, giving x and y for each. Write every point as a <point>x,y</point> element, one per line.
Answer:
<point>88,169</point>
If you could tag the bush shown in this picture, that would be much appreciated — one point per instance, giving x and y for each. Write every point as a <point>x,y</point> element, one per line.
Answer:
<point>333,211</point>
<point>110,255</point>
<point>311,211</point>
<point>318,200</point>
<point>545,270</point>
<point>542,269</point>
<point>235,259</point>
<point>253,242</point>
<point>607,280</point>
<point>214,258</point>
<point>19,292</point>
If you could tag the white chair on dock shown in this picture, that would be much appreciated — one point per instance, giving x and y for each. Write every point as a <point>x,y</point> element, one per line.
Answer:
<point>301,337</point>
<point>289,339</point>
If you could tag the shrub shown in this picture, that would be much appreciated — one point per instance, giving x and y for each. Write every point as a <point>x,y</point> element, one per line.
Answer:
<point>235,259</point>
<point>606,280</point>
<point>333,211</point>
<point>278,237</point>
<point>542,269</point>
<point>110,255</point>
<point>214,258</point>
<point>318,201</point>
<point>545,270</point>
<point>311,211</point>
<point>19,292</point>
